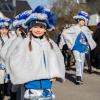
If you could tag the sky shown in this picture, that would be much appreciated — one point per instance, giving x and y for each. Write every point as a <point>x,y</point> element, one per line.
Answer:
<point>46,3</point>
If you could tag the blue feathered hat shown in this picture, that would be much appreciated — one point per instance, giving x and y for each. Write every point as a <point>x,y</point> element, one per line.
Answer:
<point>42,15</point>
<point>82,15</point>
<point>20,19</point>
<point>51,18</point>
<point>5,22</point>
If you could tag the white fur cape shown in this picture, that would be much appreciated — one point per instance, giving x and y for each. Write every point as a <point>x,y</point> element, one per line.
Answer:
<point>40,63</point>
<point>4,49</point>
<point>9,50</point>
<point>5,39</point>
<point>69,36</point>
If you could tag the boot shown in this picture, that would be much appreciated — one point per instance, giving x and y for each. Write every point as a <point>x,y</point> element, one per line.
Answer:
<point>78,80</point>
<point>1,91</point>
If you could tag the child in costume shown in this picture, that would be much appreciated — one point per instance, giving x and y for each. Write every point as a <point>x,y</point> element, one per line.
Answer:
<point>79,39</point>
<point>4,37</point>
<point>19,34</point>
<point>39,59</point>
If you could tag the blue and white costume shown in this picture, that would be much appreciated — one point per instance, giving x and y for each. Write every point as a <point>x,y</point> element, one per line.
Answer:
<point>13,41</point>
<point>4,23</point>
<point>77,37</point>
<point>35,68</point>
<point>17,22</point>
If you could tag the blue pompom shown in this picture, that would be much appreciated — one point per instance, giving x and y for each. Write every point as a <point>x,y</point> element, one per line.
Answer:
<point>39,9</point>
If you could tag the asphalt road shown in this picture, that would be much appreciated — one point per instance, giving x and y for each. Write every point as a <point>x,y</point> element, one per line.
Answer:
<point>68,90</point>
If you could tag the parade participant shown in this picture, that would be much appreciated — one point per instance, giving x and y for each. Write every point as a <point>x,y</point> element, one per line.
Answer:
<point>78,38</point>
<point>17,91</point>
<point>96,51</point>
<point>19,32</point>
<point>39,60</point>
<point>4,36</point>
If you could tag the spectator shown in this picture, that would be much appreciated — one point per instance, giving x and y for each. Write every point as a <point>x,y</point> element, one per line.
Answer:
<point>96,51</point>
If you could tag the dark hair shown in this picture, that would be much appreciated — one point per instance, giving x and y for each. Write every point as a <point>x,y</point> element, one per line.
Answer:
<point>23,33</point>
<point>0,34</point>
<point>30,44</point>
<point>78,20</point>
<point>8,33</point>
<point>47,37</point>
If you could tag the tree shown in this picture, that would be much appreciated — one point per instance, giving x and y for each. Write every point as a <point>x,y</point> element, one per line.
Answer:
<point>62,7</point>
<point>66,9</point>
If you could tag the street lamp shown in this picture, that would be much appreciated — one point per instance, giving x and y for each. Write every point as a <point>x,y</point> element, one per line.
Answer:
<point>14,5</point>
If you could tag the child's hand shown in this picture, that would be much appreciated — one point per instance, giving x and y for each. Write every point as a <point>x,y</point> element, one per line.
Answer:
<point>53,79</point>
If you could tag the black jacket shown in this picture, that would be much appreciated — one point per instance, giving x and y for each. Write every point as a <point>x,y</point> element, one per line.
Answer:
<point>96,37</point>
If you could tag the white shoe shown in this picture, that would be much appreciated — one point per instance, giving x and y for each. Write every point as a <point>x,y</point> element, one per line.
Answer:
<point>26,94</point>
<point>32,94</point>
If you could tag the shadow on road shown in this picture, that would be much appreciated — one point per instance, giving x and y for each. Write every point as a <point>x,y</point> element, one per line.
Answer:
<point>96,72</point>
<point>70,77</point>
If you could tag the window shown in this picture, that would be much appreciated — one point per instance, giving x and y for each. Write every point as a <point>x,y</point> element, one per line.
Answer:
<point>6,7</point>
<point>10,6</point>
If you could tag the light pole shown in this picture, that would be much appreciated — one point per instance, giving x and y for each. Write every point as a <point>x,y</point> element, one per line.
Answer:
<point>14,5</point>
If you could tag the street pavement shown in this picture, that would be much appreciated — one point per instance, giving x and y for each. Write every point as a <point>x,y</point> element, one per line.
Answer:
<point>68,90</point>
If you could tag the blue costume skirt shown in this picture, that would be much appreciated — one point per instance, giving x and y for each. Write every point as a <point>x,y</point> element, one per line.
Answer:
<point>39,84</point>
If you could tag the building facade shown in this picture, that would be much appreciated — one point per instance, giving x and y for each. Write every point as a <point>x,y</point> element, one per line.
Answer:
<point>11,8</point>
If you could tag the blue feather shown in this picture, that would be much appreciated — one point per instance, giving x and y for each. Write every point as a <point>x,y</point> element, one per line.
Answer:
<point>20,18</point>
<point>51,17</point>
<point>39,9</point>
<point>23,15</point>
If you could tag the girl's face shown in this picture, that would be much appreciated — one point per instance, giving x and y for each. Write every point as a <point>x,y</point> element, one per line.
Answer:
<point>3,31</point>
<point>82,22</point>
<point>38,31</point>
